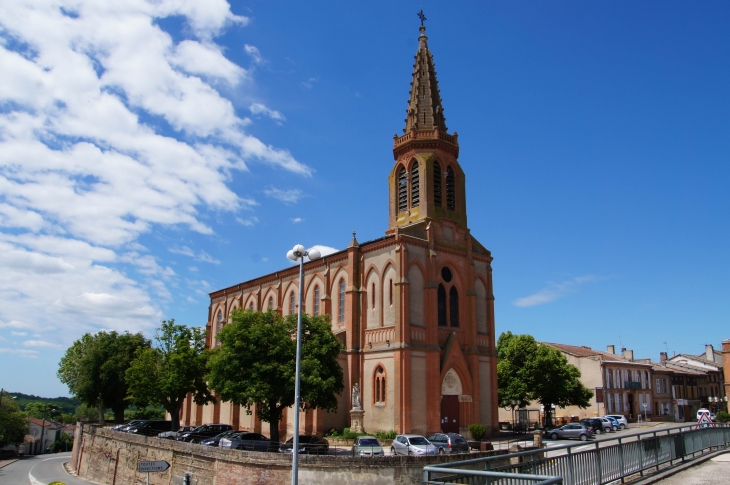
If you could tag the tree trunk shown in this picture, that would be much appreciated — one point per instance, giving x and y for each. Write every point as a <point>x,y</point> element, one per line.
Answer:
<point>274,423</point>
<point>174,410</point>
<point>100,408</point>
<point>118,416</point>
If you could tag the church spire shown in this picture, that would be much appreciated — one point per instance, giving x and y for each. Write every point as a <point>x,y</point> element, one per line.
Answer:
<point>425,111</point>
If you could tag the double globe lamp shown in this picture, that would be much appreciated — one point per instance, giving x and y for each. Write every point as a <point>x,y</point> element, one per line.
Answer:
<point>298,253</point>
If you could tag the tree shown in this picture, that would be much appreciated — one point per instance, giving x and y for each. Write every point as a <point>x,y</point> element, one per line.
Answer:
<point>530,371</point>
<point>165,373</point>
<point>85,412</point>
<point>13,422</point>
<point>40,410</point>
<point>94,369</point>
<point>255,364</point>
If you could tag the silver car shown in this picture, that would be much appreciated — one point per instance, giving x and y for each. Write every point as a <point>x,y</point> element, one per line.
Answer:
<point>367,446</point>
<point>247,441</point>
<point>412,444</point>
<point>623,423</point>
<point>571,431</point>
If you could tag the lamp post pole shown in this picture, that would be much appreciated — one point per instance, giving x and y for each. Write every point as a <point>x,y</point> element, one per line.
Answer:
<point>297,254</point>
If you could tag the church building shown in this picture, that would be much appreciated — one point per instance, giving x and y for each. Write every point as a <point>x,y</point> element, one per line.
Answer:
<point>414,309</point>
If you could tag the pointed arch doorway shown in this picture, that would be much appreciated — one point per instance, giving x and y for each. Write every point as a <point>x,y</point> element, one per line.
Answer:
<point>450,392</point>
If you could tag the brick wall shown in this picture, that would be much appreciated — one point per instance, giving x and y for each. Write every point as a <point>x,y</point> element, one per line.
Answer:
<point>110,458</point>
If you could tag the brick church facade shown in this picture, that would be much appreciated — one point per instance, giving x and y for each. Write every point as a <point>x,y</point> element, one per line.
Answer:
<point>414,309</point>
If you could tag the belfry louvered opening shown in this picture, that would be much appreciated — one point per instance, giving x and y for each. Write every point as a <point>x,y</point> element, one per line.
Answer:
<point>437,184</point>
<point>450,189</point>
<point>402,191</point>
<point>414,185</point>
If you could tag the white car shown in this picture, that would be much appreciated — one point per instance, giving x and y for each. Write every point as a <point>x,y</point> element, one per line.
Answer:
<point>623,423</point>
<point>412,444</point>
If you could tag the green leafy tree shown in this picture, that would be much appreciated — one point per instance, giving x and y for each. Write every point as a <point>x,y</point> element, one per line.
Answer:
<point>255,364</point>
<point>85,412</point>
<point>13,422</point>
<point>530,371</point>
<point>175,366</point>
<point>94,369</point>
<point>40,410</point>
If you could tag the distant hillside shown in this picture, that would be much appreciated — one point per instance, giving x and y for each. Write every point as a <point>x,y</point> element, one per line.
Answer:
<point>64,404</point>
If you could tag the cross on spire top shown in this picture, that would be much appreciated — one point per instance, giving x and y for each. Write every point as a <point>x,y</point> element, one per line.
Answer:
<point>422,16</point>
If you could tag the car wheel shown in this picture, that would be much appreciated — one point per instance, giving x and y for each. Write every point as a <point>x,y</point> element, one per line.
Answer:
<point>392,451</point>
<point>623,426</point>
<point>598,431</point>
<point>441,451</point>
<point>554,436</point>
<point>583,437</point>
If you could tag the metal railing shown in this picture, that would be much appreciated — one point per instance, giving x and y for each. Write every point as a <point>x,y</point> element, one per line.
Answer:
<point>594,463</point>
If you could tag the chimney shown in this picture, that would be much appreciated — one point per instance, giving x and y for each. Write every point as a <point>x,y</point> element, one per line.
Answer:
<point>628,354</point>
<point>662,356</point>
<point>611,349</point>
<point>709,353</point>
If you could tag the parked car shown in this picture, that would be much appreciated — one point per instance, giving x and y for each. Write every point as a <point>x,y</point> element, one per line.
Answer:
<point>597,426</point>
<point>151,428</point>
<point>412,444</point>
<point>215,440</point>
<point>449,443</point>
<point>571,431</point>
<point>203,432</point>
<point>608,424</point>
<point>248,441</point>
<point>614,424</point>
<point>171,435</point>
<point>124,426</point>
<point>308,444</point>
<point>367,446</point>
<point>623,423</point>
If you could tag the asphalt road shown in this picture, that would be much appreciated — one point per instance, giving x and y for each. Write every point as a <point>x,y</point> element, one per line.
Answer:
<point>39,470</point>
<point>711,472</point>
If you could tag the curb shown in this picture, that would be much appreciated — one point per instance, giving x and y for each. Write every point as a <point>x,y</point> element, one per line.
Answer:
<point>8,462</point>
<point>679,468</point>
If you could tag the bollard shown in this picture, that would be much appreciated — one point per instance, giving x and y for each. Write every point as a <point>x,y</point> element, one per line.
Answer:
<point>186,478</point>
<point>537,438</point>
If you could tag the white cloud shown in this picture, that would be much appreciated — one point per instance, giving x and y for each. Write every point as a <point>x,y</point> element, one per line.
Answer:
<point>201,256</point>
<point>251,221</point>
<point>290,196</point>
<point>185,251</point>
<point>554,291</point>
<point>206,60</point>
<point>28,354</point>
<point>41,343</point>
<point>309,83</point>
<point>253,51</point>
<point>18,334</point>
<point>261,109</point>
<point>297,220</point>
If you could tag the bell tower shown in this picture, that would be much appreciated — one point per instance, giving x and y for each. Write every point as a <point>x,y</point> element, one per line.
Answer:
<point>427,182</point>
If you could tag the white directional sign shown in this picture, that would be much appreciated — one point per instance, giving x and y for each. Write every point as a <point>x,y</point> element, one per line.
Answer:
<point>153,466</point>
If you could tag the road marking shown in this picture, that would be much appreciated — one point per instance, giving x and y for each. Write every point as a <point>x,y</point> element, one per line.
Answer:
<point>34,480</point>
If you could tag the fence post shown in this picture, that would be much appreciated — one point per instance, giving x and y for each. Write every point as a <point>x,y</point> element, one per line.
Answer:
<point>639,441</point>
<point>656,450</point>
<point>570,466</point>
<point>599,469</point>
<point>621,460</point>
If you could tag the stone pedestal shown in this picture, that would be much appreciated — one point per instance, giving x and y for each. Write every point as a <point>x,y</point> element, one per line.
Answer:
<point>356,420</point>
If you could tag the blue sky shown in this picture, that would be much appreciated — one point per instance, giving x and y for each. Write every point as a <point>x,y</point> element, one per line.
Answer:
<point>151,152</point>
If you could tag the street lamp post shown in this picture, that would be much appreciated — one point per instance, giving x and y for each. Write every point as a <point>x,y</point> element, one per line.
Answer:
<point>297,254</point>
<point>43,427</point>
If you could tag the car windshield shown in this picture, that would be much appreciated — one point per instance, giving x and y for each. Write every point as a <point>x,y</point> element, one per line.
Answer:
<point>369,442</point>
<point>200,428</point>
<point>419,440</point>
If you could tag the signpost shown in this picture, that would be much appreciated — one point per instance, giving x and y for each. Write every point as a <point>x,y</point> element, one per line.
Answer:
<point>151,467</point>
<point>705,421</point>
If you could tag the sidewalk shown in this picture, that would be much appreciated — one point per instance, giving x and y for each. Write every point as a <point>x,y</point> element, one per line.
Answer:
<point>7,461</point>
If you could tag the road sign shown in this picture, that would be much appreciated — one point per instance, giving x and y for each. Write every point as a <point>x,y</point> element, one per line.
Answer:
<point>153,466</point>
<point>705,421</point>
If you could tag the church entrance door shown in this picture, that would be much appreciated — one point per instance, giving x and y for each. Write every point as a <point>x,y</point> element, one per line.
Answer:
<point>450,414</point>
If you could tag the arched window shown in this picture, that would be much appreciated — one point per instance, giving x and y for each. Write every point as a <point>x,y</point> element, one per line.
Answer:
<point>442,306</point>
<point>250,307</point>
<point>402,190</point>
<point>316,301</point>
<point>437,184</point>
<point>219,326</point>
<point>380,385</point>
<point>450,190</point>
<point>414,185</point>
<point>291,303</point>
<point>271,302</point>
<point>454,307</point>
<point>372,296</point>
<point>341,302</point>
<point>391,292</point>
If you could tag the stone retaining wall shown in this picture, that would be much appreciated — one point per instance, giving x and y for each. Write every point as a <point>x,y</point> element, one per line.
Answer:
<point>110,457</point>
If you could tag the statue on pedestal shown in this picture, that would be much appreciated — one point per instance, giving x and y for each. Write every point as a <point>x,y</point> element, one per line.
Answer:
<point>356,397</point>
<point>356,413</point>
